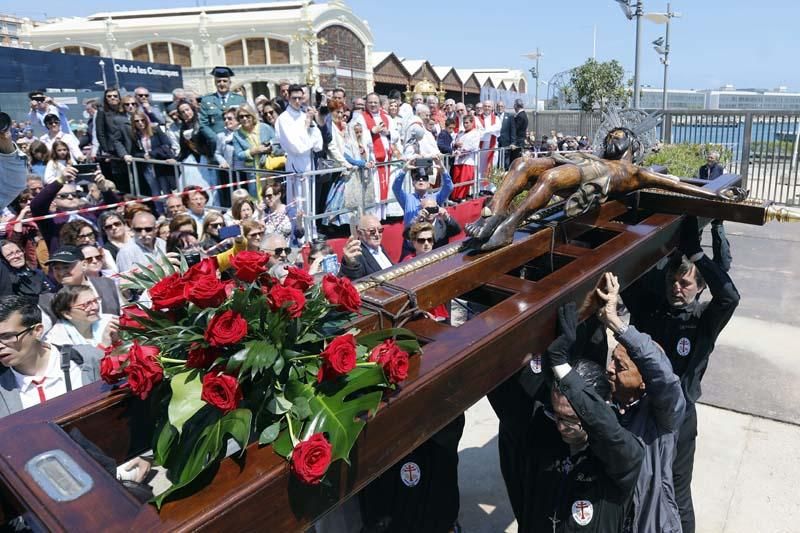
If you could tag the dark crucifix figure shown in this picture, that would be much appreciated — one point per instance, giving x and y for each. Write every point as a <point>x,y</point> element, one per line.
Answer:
<point>584,179</point>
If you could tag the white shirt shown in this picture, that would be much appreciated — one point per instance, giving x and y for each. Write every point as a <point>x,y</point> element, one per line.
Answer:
<point>297,140</point>
<point>380,257</point>
<point>67,138</point>
<point>132,254</point>
<point>64,332</point>
<point>53,385</point>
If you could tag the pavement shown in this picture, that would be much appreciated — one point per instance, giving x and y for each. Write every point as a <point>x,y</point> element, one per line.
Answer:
<point>747,462</point>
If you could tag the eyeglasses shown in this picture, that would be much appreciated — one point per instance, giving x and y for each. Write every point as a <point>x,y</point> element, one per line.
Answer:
<point>94,302</point>
<point>86,235</point>
<point>112,225</point>
<point>216,225</point>
<point>112,96</point>
<point>66,195</point>
<point>14,253</point>
<point>270,112</point>
<point>146,95</point>
<point>129,104</point>
<point>146,229</point>
<point>140,121</point>
<point>7,338</point>
<point>244,117</point>
<point>51,122</point>
<point>281,251</point>
<point>570,424</point>
<point>93,258</point>
<point>423,240</point>
<point>255,234</point>
<point>373,232</point>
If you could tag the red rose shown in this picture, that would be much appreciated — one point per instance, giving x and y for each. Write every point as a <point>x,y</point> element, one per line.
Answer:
<point>298,279</point>
<point>222,391</point>
<point>130,316</point>
<point>279,296</point>
<point>341,293</point>
<point>392,358</point>
<point>200,357</point>
<point>226,328</point>
<point>249,265</point>
<point>206,267</point>
<point>205,291</point>
<point>338,358</point>
<point>111,370</point>
<point>143,370</point>
<point>311,458</point>
<point>168,293</point>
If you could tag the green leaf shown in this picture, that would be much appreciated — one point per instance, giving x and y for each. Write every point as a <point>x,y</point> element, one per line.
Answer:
<point>270,433</point>
<point>237,425</point>
<point>283,444</point>
<point>260,355</point>
<point>337,409</point>
<point>403,337</point>
<point>163,445</point>
<point>300,408</point>
<point>279,405</point>
<point>185,402</point>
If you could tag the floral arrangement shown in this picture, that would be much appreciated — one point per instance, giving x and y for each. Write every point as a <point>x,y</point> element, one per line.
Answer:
<point>252,358</point>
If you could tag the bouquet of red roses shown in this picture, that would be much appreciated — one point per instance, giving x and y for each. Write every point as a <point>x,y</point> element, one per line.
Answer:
<point>252,358</point>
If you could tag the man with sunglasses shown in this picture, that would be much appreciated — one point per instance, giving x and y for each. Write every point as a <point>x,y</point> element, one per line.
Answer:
<point>363,254</point>
<point>68,266</point>
<point>213,105</point>
<point>143,99</point>
<point>43,105</point>
<point>63,194</point>
<point>145,248</point>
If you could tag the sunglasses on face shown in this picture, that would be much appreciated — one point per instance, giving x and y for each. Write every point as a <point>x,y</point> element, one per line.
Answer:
<point>92,259</point>
<point>147,229</point>
<point>216,225</point>
<point>423,240</point>
<point>373,232</point>
<point>254,234</point>
<point>86,235</point>
<point>108,96</point>
<point>66,195</point>
<point>129,104</point>
<point>112,225</point>
<point>143,95</point>
<point>140,121</point>
<point>281,251</point>
<point>244,117</point>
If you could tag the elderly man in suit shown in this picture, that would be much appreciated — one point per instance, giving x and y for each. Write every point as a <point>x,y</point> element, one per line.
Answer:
<point>507,131</point>
<point>364,255</point>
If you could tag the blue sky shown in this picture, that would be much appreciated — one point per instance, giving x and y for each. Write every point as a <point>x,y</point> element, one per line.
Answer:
<point>743,42</point>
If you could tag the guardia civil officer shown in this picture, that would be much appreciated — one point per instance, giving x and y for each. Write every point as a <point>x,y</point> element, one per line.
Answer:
<point>212,106</point>
<point>580,466</point>
<point>687,329</point>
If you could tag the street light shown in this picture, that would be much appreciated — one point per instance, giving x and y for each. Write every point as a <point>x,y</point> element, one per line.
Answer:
<point>103,71</point>
<point>661,46</point>
<point>535,56</point>
<point>634,8</point>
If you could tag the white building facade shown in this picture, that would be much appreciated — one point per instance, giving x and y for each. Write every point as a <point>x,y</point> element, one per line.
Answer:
<point>263,43</point>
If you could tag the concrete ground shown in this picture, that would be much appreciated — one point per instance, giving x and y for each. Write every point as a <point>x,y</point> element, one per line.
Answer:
<point>747,464</point>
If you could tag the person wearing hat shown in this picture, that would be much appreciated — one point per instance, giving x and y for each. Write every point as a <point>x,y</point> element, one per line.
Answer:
<point>67,266</point>
<point>43,105</point>
<point>213,105</point>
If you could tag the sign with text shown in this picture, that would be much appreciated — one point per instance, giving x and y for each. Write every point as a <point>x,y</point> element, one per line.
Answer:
<point>27,70</point>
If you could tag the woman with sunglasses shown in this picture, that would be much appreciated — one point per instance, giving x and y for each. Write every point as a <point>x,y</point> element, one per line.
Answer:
<point>115,232</point>
<point>198,146</point>
<point>276,217</point>
<point>25,281</point>
<point>80,233</point>
<point>253,232</point>
<point>152,143</point>
<point>212,223</point>
<point>108,120</point>
<point>421,236</point>
<point>253,143</point>
<point>94,258</point>
<point>80,321</point>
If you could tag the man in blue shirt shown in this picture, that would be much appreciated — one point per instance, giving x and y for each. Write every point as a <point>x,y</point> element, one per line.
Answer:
<point>420,177</point>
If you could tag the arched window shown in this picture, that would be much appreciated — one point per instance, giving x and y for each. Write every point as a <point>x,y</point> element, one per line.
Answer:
<point>257,51</point>
<point>343,46</point>
<point>163,52</point>
<point>79,50</point>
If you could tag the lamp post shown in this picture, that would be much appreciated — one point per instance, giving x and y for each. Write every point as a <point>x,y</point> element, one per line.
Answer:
<point>535,56</point>
<point>103,72</point>
<point>661,46</point>
<point>634,8</point>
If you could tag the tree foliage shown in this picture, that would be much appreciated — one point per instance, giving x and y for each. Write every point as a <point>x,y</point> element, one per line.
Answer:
<point>685,160</point>
<point>598,85</point>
